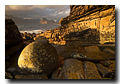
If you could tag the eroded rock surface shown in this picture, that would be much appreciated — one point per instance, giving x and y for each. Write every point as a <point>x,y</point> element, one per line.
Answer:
<point>38,56</point>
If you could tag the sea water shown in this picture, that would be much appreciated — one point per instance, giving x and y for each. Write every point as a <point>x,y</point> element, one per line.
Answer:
<point>36,28</point>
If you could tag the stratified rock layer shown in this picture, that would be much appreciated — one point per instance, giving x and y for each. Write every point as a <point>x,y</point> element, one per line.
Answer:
<point>86,24</point>
<point>37,57</point>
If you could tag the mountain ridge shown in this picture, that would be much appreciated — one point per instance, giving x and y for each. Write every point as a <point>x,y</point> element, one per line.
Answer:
<point>29,21</point>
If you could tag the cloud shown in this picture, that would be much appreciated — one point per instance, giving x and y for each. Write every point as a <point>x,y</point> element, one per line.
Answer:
<point>38,11</point>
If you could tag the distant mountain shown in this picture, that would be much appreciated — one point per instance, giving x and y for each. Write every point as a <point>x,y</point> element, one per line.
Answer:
<point>45,21</point>
<point>21,20</point>
<point>29,21</point>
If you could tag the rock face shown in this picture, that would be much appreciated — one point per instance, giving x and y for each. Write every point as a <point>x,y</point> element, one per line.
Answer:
<point>87,24</point>
<point>37,57</point>
<point>13,38</point>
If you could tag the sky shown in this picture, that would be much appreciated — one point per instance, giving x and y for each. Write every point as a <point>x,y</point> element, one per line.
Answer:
<point>53,12</point>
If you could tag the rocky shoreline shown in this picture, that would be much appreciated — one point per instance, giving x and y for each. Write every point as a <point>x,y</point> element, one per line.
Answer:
<point>59,53</point>
<point>100,58</point>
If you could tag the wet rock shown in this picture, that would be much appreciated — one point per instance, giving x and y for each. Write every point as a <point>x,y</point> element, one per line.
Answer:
<point>32,76</point>
<point>38,57</point>
<point>91,71</point>
<point>105,72</point>
<point>72,69</point>
<point>91,49</point>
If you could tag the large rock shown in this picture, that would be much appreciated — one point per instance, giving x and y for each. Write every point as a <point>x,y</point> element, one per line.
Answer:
<point>13,38</point>
<point>72,69</point>
<point>37,57</point>
<point>12,34</point>
<point>91,71</point>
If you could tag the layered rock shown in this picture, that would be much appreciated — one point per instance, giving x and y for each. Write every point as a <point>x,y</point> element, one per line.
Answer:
<point>13,38</point>
<point>99,17</point>
<point>87,24</point>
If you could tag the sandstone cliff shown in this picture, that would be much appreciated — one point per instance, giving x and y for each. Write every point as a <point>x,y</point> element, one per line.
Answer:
<point>87,24</point>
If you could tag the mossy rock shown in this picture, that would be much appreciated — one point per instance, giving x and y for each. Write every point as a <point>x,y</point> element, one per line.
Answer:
<point>37,57</point>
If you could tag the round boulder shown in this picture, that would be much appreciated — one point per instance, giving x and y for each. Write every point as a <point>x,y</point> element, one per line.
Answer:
<point>39,56</point>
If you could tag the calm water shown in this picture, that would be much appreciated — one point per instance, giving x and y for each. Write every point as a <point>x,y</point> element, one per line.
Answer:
<point>36,28</point>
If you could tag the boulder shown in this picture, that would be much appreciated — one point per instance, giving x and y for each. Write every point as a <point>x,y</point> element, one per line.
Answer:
<point>37,57</point>
<point>13,38</point>
<point>72,69</point>
<point>12,34</point>
<point>91,71</point>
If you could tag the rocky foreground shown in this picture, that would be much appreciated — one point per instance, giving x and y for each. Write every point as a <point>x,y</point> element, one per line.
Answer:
<point>69,61</point>
<point>83,47</point>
